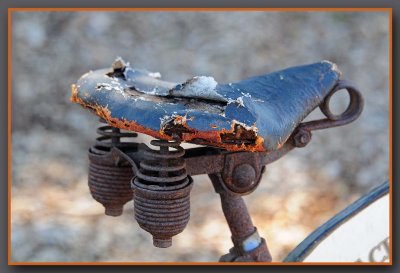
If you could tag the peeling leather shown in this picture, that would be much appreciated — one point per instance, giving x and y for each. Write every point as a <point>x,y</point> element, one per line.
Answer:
<point>256,114</point>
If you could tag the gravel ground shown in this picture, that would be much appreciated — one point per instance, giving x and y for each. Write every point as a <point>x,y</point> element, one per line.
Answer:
<point>53,215</point>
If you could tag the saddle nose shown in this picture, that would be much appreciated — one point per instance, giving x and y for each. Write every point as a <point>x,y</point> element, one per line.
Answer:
<point>256,114</point>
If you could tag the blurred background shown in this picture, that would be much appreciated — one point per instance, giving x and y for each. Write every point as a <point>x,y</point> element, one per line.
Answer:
<point>54,217</point>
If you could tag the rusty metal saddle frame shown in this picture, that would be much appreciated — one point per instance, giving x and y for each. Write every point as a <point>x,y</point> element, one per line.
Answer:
<point>233,174</point>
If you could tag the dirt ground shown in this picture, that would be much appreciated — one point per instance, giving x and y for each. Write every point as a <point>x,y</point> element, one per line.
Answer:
<point>54,217</point>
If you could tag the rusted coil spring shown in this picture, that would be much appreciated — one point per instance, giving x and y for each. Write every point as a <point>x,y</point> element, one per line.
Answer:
<point>162,192</point>
<point>110,137</point>
<point>109,180</point>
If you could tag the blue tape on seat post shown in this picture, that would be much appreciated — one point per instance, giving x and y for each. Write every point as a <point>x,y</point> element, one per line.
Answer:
<point>251,242</point>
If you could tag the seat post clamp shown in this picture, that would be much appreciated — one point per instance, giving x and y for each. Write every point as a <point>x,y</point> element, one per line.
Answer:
<point>242,172</point>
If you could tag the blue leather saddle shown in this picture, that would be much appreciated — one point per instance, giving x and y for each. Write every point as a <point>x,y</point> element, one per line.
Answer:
<point>256,114</point>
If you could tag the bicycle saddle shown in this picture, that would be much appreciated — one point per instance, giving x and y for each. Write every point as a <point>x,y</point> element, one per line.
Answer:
<point>256,114</point>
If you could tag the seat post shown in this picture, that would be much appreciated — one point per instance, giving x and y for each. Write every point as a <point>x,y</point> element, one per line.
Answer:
<point>248,245</point>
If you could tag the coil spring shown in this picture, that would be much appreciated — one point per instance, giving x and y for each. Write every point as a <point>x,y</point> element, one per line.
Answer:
<point>162,193</point>
<point>110,186</point>
<point>109,181</point>
<point>110,137</point>
<point>166,169</point>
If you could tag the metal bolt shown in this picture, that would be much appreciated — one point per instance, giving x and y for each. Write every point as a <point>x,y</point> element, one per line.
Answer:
<point>301,138</point>
<point>244,176</point>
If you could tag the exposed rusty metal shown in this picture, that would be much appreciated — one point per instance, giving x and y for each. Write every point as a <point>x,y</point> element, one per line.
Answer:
<point>237,147</point>
<point>248,245</point>
<point>109,178</point>
<point>162,193</point>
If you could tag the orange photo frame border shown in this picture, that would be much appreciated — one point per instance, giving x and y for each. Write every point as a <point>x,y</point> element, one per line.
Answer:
<point>9,76</point>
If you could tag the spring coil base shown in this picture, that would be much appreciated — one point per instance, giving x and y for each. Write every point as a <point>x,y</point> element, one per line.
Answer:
<point>109,180</point>
<point>110,186</point>
<point>162,193</point>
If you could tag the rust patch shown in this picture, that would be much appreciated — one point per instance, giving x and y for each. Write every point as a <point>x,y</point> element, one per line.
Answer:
<point>129,125</point>
<point>236,139</point>
<point>239,132</point>
<point>177,127</point>
<point>105,113</point>
<point>74,94</point>
<point>76,99</point>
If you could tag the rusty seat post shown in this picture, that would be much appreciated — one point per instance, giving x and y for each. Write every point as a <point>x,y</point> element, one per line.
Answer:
<point>248,245</point>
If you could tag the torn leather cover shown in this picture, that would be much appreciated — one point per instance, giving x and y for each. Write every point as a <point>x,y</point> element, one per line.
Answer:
<point>256,114</point>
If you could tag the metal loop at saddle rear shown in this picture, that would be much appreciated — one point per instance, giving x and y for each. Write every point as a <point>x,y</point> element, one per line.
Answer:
<point>352,112</point>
